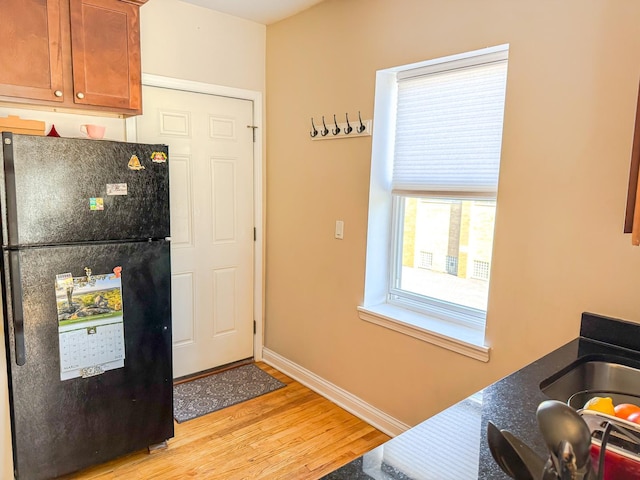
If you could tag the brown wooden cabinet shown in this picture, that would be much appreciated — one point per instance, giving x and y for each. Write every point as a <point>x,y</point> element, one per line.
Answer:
<point>77,54</point>
<point>31,56</point>
<point>632,217</point>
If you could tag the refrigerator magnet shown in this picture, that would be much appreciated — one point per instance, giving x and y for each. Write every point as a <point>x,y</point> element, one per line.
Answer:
<point>134,163</point>
<point>117,189</point>
<point>96,203</point>
<point>158,157</point>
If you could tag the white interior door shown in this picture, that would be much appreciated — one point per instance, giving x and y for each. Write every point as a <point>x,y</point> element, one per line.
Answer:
<point>212,226</point>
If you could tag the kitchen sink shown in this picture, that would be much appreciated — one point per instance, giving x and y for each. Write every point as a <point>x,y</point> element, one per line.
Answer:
<point>595,375</point>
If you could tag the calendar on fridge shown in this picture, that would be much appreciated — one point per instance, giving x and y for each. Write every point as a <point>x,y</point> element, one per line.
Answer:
<point>90,323</point>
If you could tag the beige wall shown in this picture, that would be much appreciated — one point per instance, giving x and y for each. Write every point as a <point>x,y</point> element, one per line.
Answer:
<point>559,249</point>
<point>185,41</point>
<point>178,40</point>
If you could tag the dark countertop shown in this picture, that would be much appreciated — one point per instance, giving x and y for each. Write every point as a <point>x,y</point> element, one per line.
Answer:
<point>452,445</point>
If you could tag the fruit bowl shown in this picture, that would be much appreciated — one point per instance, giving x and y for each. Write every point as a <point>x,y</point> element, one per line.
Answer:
<point>579,399</point>
<point>622,445</point>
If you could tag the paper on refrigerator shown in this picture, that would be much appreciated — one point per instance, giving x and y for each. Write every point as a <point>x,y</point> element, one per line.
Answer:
<point>90,323</point>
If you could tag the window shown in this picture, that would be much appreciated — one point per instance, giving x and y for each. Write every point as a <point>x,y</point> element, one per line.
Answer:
<point>434,180</point>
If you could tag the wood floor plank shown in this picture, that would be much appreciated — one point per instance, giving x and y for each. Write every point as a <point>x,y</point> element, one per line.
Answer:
<point>290,433</point>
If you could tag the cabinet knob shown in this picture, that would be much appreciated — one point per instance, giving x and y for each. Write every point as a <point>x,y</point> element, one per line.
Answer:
<point>58,93</point>
<point>80,95</point>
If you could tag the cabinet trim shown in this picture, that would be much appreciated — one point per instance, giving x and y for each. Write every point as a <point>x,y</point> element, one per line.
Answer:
<point>632,216</point>
<point>635,231</point>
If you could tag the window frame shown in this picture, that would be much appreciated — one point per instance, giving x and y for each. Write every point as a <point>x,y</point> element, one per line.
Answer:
<point>442,309</point>
<point>462,333</point>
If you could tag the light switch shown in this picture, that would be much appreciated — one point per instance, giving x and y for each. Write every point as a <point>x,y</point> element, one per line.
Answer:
<point>339,229</point>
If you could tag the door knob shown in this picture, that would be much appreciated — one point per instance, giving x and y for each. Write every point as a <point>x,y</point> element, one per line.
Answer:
<point>58,93</point>
<point>80,95</point>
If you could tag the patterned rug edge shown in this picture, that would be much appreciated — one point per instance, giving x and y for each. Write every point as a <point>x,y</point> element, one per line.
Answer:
<point>198,397</point>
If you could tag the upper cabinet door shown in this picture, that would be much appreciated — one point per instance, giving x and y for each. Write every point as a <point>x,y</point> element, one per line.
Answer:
<point>105,46</point>
<point>31,56</point>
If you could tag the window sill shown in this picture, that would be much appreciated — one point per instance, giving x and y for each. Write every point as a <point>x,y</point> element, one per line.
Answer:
<point>458,338</point>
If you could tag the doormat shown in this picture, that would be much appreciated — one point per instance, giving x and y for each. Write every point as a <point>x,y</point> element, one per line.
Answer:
<point>209,394</point>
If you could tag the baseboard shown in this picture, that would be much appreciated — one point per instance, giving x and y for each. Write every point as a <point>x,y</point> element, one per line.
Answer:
<point>337,395</point>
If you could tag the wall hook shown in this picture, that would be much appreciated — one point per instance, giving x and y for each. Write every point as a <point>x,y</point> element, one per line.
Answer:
<point>336,131</point>
<point>324,130</point>
<point>361,127</point>
<point>348,129</point>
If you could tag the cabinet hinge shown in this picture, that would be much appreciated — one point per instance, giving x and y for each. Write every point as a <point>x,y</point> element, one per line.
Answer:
<point>255,234</point>
<point>254,327</point>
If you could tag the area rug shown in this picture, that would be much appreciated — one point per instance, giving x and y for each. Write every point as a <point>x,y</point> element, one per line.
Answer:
<point>209,394</point>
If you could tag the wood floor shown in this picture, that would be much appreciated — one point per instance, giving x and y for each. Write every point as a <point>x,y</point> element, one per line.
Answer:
<point>291,433</point>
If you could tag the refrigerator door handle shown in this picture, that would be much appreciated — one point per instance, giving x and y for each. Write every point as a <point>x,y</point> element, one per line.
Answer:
<point>10,190</point>
<point>17,312</point>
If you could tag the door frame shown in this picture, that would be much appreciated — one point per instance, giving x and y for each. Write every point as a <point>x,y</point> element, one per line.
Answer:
<point>258,217</point>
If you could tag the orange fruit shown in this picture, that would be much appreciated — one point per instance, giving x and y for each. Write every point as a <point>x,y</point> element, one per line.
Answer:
<point>623,410</point>
<point>634,417</point>
<point>601,404</point>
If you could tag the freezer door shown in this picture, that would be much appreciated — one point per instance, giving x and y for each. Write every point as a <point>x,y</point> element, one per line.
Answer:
<point>67,416</point>
<point>65,190</point>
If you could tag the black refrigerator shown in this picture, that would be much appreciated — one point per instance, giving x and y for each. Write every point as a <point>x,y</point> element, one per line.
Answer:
<point>86,300</point>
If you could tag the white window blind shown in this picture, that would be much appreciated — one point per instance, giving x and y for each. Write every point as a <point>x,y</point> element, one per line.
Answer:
<point>449,129</point>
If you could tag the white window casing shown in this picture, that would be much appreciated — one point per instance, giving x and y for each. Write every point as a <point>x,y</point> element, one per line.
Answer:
<point>415,139</point>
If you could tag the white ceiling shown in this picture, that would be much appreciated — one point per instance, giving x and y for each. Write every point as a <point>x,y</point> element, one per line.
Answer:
<point>261,11</point>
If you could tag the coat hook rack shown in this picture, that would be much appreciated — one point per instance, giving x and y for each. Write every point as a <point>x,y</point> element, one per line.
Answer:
<point>325,131</point>
<point>348,129</point>
<point>341,130</point>
<point>361,127</point>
